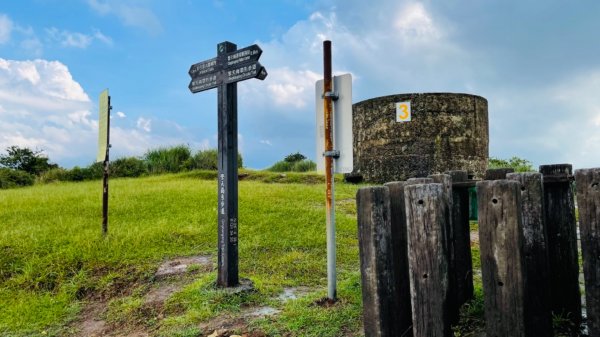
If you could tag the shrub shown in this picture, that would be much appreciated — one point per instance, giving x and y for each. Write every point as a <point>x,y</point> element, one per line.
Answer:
<point>304,166</point>
<point>281,166</point>
<point>10,178</point>
<point>128,167</point>
<point>52,175</point>
<point>518,164</point>
<point>167,160</point>
<point>294,157</point>
<point>94,171</point>
<point>208,160</point>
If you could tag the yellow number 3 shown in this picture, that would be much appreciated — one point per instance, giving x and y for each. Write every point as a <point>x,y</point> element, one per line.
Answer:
<point>404,111</point>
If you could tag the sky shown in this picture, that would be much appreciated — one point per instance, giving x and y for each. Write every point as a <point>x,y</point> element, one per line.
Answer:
<point>536,62</point>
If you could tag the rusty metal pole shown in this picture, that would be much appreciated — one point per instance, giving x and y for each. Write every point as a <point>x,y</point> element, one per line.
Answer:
<point>330,202</point>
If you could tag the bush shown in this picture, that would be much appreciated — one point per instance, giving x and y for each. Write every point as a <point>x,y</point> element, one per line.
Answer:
<point>128,167</point>
<point>281,166</point>
<point>298,166</point>
<point>208,160</point>
<point>518,164</point>
<point>53,175</point>
<point>168,160</point>
<point>294,157</point>
<point>304,166</point>
<point>10,178</point>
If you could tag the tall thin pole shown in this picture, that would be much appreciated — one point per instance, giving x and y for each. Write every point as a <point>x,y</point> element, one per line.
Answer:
<point>105,178</point>
<point>228,273</point>
<point>330,201</point>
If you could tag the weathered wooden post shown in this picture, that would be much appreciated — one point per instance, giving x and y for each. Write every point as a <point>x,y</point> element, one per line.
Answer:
<point>462,239</point>
<point>399,254</point>
<point>562,241</point>
<point>378,272</point>
<point>538,318</point>
<point>453,305</point>
<point>426,209</point>
<point>501,246</point>
<point>498,173</point>
<point>587,182</point>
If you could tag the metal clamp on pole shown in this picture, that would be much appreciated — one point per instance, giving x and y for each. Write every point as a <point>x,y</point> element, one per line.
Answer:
<point>333,153</point>
<point>332,94</point>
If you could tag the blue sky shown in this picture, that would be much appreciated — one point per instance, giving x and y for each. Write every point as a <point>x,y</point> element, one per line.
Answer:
<point>537,63</point>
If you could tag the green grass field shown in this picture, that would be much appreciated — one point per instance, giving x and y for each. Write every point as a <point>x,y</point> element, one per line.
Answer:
<point>54,260</point>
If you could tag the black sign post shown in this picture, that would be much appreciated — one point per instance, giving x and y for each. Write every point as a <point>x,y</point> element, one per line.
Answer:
<point>223,72</point>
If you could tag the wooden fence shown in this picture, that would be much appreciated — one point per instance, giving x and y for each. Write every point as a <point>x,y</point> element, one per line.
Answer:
<point>415,252</point>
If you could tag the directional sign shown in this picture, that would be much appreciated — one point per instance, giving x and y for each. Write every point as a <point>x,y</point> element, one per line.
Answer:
<point>245,71</point>
<point>203,68</point>
<point>227,68</point>
<point>203,83</point>
<point>223,72</point>
<point>244,55</point>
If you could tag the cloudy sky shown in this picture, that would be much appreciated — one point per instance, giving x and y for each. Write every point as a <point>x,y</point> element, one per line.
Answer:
<point>536,62</point>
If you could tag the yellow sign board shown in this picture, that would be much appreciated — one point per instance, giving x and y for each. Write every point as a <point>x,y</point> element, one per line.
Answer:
<point>103,124</point>
<point>403,112</point>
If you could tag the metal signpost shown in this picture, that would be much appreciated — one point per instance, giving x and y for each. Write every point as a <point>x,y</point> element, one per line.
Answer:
<point>223,72</point>
<point>334,130</point>
<point>103,151</point>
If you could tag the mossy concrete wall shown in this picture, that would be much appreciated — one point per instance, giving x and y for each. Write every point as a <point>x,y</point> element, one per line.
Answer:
<point>447,132</point>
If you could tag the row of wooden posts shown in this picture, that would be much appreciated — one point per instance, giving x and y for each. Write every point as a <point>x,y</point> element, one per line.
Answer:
<point>415,252</point>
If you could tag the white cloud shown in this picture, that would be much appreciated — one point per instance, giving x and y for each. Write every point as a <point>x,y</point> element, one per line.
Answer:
<point>266,142</point>
<point>6,27</point>
<point>44,108</point>
<point>103,38</point>
<point>414,22</point>
<point>144,124</point>
<point>130,15</point>
<point>121,114</point>
<point>76,40</point>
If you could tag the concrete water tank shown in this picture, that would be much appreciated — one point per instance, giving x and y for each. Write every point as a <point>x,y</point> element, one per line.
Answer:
<point>447,131</point>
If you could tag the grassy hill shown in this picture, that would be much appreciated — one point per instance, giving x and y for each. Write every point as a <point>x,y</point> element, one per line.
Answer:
<point>55,264</point>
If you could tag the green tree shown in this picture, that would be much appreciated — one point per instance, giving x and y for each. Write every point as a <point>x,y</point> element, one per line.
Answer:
<point>518,164</point>
<point>25,159</point>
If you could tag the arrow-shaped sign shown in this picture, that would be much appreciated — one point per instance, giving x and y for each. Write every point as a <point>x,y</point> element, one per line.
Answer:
<point>245,55</point>
<point>245,71</point>
<point>201,83</point>
<point>203,68</point>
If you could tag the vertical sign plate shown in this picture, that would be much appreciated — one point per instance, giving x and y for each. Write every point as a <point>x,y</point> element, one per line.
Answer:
<point>102,127</point>
<point>342,125</point>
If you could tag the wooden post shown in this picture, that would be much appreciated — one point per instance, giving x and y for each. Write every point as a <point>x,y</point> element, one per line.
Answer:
<point>415,181</point>
<point>497,173</point>
<point>501,246</point>
<point>462,239</point>
<point>538,318</point>
<point>378,272</point>
<point>228,177</point>
<point>399,254</point>
<point>453,305</point>
<point>588,200</point>
<point>562,242</point>
<point>426,209</point>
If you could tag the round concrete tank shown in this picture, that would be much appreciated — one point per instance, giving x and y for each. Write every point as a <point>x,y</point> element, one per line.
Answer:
<point>446,132</point>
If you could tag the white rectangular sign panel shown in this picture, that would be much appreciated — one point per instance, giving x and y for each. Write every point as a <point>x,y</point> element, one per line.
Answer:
<point>403,112</point>
<point>342,124</point>
<point>103,127</point>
